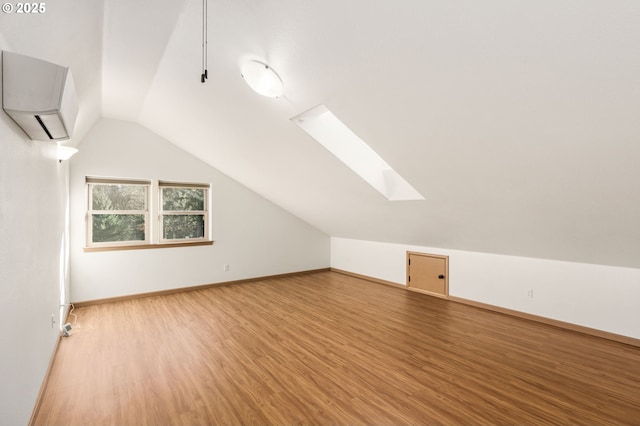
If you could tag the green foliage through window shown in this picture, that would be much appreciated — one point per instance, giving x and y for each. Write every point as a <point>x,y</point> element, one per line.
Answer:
<point>118,212</point>
<point>182,226</point>
<point>118,227</point>
<point>183,212</point>
<point>125,212</point>
<point>119,197</point>
<point>183,199</point>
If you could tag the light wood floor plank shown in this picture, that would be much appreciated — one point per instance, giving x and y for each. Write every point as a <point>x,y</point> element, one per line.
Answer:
<point>327,348</point>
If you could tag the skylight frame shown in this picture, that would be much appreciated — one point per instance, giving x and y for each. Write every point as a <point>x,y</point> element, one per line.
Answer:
<point>330,132</point>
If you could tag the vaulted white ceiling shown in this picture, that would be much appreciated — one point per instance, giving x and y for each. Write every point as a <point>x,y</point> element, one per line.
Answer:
<point>518,121</point>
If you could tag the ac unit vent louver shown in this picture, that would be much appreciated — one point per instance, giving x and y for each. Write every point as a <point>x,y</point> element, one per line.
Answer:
<point>39,96</point>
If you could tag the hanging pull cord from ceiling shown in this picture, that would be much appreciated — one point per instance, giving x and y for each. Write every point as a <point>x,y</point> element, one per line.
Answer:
<point>205,13</point>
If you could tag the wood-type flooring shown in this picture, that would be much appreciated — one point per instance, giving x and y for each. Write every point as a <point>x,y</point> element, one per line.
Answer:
<point>330,349</point>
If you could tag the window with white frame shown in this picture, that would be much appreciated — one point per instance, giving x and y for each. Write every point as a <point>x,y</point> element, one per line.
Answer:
<point>130,213</point>
<point>183,211</point>
<point>118,212</point>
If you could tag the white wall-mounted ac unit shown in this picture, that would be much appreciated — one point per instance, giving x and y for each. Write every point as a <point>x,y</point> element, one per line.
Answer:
<point>39,96</point>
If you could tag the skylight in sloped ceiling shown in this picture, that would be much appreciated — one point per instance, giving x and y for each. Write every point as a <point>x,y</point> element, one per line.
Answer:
<point>322,125</point>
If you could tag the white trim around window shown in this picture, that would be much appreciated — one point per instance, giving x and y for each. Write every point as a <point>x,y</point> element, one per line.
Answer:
<point>183,212</point>
<point>125,214</point>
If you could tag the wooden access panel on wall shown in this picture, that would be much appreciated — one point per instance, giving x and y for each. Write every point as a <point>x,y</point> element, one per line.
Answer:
<point>428,274</point>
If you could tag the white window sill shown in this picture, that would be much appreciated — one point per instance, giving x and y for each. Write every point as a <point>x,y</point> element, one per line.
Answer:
<point>148,246</point>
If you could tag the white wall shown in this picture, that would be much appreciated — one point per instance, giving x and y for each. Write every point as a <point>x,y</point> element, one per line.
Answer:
<point>252,235</point>
<point>33,199</point>
<point>601,297</point>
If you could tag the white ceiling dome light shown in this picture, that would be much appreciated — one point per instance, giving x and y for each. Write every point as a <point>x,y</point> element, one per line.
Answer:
<point>262,78</point>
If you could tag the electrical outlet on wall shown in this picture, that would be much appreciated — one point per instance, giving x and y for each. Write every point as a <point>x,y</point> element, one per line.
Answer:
<point>225,267</point>
<point>530,293</point>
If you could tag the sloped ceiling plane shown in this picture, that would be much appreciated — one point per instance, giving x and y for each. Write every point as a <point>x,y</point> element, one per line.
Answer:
<point>518,122</point>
